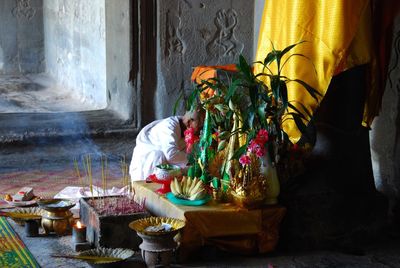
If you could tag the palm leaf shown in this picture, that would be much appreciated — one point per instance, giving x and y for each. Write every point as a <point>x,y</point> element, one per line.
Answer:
<point>92,259</point>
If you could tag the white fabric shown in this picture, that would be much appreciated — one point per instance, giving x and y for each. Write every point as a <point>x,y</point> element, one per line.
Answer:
<point>74,193</point>
<point>160,142</point>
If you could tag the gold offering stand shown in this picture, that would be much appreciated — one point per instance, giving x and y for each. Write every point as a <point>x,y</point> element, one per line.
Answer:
<point>158,243</point>
<point>57,216</point>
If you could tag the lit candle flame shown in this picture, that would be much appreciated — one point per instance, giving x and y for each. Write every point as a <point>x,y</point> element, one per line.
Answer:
<point>78,225</point>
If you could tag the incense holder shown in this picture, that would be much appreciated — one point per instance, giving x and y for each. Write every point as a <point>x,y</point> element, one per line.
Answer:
<point>107,221</point>
<point>57,217</point>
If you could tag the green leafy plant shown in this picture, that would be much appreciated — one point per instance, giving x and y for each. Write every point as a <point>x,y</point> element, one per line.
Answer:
<point>242,103</point>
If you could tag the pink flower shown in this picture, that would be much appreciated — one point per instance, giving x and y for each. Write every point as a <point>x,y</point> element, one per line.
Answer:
<point>257,148</point>
<point>245,160</point>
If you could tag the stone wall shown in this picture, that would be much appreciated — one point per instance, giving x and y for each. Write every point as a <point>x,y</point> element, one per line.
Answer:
<point>75,43</point>
<point>21,36</point>
<point>192,33</point>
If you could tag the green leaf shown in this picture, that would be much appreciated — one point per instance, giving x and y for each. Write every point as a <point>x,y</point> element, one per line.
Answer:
<point>222,145</point>
<point>283,94</point>
<point>223,108</point>
<point>298,55</point>
<point>191,101</point>
<point>305,110</point>
<point>177,102</point>
<point>244,68</point>
<point>275,84</point>
<point>299,123</point>
<point>297,110</point>
<point>287,49</point>
<point>313,92</point>
<point>238,153</point>
<point>271,56</point>
<point>261,114</point>
<point>232,89</point>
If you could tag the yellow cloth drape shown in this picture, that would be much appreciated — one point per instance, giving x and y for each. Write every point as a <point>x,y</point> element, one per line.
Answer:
<point>337,35</point>
<point>223,225</point>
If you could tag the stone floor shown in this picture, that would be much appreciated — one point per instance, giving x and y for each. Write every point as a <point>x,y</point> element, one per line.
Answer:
<point>37,94</point>
<point>382,255</point>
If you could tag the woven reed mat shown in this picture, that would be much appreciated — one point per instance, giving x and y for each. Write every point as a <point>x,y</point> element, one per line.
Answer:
<point>13,252</point>
<point>47,183</point>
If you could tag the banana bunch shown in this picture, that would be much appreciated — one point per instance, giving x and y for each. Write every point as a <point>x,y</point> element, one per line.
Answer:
<point>188,188</point>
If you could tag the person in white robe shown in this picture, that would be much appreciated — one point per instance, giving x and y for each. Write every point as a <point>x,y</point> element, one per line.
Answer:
<point>162,142</point>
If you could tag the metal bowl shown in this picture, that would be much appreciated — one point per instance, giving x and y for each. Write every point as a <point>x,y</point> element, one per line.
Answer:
<point>55,205</point>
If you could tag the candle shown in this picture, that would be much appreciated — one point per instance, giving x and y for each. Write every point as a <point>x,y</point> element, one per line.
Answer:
<point>79,233</point>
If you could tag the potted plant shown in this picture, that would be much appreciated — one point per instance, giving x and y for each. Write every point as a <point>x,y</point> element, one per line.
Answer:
<point>243,135</point>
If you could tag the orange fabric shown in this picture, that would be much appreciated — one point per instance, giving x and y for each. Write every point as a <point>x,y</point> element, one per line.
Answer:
<point>203,73</point>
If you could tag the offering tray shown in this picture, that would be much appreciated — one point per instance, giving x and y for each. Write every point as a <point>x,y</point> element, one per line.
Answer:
<point>55,205</point>
<point>102,257</point>
<point>20,215</point>
<point>186,202</point>
<point>142,225</point>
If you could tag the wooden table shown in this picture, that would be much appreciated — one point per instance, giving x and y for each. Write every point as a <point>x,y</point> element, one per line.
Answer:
<point>223,225</point>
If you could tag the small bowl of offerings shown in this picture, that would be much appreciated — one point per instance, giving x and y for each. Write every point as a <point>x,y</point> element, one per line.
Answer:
<point>167,171</point>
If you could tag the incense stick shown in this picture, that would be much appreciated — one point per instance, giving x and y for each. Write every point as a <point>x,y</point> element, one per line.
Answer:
<point>78,172</point>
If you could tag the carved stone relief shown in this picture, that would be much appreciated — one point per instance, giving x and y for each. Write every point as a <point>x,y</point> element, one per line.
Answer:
<point>198,32</point>
<point>24,10</point>
<point>396,59</point>
<point>224,43</point>
<point>175,46</point>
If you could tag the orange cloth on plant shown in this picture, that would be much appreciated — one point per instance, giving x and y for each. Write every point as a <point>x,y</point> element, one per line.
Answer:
<point>204,73</point>
<point>337,35</point>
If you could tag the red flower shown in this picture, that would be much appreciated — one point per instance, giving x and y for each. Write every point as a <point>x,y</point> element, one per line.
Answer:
<point>215,135</point>
<point>245,160</point>
<point>190,139</point>
<point>262,136</point>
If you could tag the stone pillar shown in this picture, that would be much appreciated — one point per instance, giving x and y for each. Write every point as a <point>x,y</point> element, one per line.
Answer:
<point>385,134</point>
